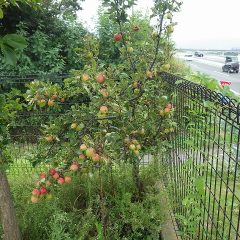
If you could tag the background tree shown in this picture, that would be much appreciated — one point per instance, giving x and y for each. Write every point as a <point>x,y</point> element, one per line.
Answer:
<point>54,36</point>
<point>11,43</point>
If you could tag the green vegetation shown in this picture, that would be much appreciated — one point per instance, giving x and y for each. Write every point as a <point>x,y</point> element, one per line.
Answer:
<point>89,133</point>
<point>74,210</point>
<point>74,149</point>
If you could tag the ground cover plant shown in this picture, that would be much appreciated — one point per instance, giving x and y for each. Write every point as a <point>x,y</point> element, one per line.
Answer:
<point>76,210</point>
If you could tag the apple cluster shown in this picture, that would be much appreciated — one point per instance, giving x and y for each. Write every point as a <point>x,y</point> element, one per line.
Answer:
<point>44,100</point>
<point>118,36</point>
<point>89,153</point>
<point>133,145</point>
<point>76,126</point>
<point>47,180</point>
<point>85,77</point>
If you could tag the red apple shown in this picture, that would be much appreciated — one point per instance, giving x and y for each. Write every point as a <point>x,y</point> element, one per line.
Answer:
<point>118,37</point>
<point>68,179</point>
<point>101,78</point>
<point>74,167</point>
<point>36,192</point>
<point>169,105</point>
<point>43,190</point>
<point>42,175</point>
<point>56,176</point>
<point>167,110</point>
<point>96,157</point>
<point>83,147</point>
<point>82,156</point>
<point>104,109</point>
<point>61,181</point>
<point>52,171</point>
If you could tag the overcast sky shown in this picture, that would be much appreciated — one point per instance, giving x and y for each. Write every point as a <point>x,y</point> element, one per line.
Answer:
<point>208,24</point>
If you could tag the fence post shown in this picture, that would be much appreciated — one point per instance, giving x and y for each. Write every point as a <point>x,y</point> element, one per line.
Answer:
<point>7,211</point>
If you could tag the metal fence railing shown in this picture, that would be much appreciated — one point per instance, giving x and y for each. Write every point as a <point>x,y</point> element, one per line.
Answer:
<point>25,129</point>
<point>201,165</point>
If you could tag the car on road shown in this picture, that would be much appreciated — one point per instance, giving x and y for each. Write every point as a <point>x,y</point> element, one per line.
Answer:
<point>188,57</point>
<point>198,54</point>
<point>231,64</point>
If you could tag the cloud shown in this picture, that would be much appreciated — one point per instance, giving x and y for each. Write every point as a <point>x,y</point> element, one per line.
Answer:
<point>201,23</point>
<point>208,24</point>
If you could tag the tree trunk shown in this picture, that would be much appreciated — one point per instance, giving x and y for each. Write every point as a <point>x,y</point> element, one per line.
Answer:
<point>7,211</point>
<point>138,183</point>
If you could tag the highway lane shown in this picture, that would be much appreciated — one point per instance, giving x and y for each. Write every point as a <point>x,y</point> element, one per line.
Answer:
<point>214,69</point>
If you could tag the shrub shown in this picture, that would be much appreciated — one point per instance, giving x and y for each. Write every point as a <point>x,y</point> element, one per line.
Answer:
<point>75,211</point>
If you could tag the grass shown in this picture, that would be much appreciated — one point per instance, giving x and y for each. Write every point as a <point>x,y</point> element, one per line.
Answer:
<point>219,211</point>
<point>223,206</point>
<point>21,158</point>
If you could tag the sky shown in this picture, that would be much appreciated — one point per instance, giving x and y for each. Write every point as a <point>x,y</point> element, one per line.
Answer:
<point>202,24</point>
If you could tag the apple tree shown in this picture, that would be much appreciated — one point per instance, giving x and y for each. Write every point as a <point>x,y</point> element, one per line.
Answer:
<point>127,113</point>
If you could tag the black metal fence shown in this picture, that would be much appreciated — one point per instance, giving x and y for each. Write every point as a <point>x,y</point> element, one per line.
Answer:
<point>25,130</point>
<point>202,163</point>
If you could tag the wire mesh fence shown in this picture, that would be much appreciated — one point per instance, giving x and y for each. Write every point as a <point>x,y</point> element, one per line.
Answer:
<point>201,166</point>
<point>25,130</point>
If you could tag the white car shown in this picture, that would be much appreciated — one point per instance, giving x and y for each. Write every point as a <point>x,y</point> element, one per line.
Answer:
<point>188,57</point>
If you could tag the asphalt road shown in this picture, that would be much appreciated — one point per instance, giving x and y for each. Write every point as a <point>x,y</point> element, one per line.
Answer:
<point>213,68</point>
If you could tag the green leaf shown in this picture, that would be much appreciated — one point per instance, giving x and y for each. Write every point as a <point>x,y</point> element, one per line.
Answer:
<point>199,182</point>
<point>10,56</point>
<point>1,13</point>
<point>99,231</point>
<point>15,41</point>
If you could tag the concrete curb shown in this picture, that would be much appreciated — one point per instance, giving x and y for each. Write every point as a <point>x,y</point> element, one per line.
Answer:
<point>170,226</point>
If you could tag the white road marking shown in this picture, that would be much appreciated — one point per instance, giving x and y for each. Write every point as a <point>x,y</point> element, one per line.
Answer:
<point>194,65</point>
<point>227,75</point>
<point>208,62</point>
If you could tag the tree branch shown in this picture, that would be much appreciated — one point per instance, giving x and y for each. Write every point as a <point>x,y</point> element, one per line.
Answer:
<point>158,41</point>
